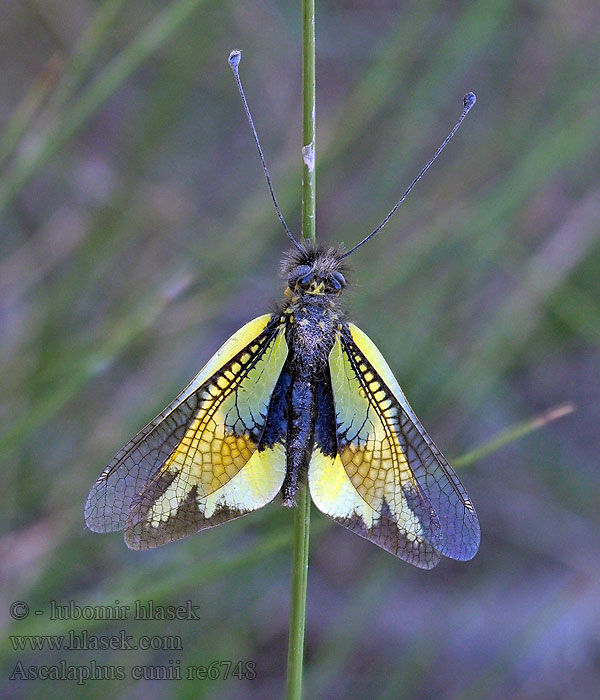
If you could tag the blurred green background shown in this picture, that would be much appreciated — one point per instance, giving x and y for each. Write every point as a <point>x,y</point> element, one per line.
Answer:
<point>137,234</point>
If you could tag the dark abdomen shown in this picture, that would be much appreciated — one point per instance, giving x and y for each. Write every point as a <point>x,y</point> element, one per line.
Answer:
<point>300,432</point>
<point>301,408</point>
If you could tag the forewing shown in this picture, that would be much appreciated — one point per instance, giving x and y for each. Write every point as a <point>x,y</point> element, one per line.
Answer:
<point>422,465</point>
<point>200,462</point>
<point>458,519</point>
<point>359,474</point>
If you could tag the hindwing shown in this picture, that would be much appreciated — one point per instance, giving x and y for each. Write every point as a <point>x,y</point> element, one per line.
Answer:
<point>383,477</point>
<point>201,461</point>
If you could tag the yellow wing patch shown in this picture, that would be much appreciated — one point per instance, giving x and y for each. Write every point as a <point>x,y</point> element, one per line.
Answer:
<point>336,496</point>
<point>388,481</point>
<point>459,526</point>
<point>199,462</point>
<point>368,486</point>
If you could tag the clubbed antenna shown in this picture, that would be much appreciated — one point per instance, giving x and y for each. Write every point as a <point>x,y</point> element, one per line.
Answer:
<point>468,101</point>
<point>234,61</point>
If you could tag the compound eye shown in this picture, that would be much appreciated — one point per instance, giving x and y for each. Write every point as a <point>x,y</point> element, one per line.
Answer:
<point>338,280</point>
<point>299,275</point>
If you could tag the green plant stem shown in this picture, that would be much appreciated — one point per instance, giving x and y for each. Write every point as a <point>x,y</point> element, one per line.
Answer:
<point>299,585</point>
<point>302,514</point>
<point>308,121</point>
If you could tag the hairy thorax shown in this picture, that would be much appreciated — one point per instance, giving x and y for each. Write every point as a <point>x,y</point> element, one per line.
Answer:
<point>313,320</point>
<point>315,281</point>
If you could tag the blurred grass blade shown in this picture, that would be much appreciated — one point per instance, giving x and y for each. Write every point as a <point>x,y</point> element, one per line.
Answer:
<point>52,139</point>
<point>85,51</point>
<point>119,335</point>
<point>71,78</point>
<point>512,434</point>
<point>29,106</point>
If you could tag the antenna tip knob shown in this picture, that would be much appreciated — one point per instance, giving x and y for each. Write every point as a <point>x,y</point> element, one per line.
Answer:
<point>234,59</point>
<point>469,100</point>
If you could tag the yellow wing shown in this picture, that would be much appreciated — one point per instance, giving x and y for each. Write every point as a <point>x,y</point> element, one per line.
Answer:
<point>384,478</point>
<point>200,461</point>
